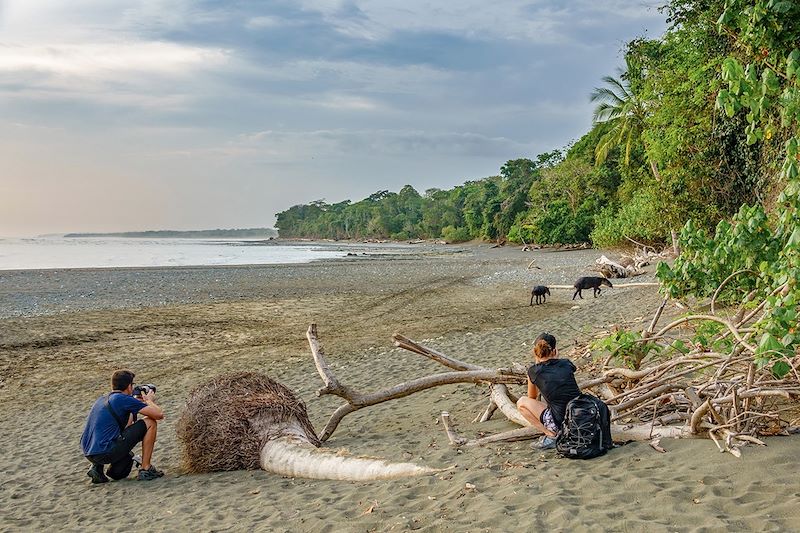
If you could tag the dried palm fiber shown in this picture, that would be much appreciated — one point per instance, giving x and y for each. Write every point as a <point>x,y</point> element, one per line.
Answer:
<point>217,426</point>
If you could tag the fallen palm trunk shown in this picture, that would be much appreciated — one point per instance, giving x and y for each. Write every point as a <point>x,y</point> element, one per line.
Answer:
<point>293,457</point>
<point>247,421</point>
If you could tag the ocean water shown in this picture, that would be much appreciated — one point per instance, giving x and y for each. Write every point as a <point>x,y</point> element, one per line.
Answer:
<point>98,252</point>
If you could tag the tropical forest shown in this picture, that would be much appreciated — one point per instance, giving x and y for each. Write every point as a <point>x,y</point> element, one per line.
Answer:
<point>699,122</point>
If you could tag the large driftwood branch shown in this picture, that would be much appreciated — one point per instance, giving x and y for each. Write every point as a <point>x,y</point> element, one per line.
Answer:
<point>356,400</point>
<point>499,393</point>
<point>619,432</point>
<point>404,342</point>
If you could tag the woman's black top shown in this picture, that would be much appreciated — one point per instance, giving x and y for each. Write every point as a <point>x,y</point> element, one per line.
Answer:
<point>555,379</point>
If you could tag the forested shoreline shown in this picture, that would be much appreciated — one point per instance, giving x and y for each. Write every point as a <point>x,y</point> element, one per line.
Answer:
<point>666,147</point>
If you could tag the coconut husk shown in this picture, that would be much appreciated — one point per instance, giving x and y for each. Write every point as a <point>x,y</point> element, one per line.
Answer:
<point>218,428</point>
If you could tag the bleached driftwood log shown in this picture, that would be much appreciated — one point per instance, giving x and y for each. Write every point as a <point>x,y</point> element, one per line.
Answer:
<point>247,420</point>
<point>613,269</point>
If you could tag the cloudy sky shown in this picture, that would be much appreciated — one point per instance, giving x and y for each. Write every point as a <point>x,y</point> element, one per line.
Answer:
<point>194,114</point>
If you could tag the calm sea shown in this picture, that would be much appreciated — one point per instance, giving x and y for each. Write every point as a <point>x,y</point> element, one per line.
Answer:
<point>59,252</point>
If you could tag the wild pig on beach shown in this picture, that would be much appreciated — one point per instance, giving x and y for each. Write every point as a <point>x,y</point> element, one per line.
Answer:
<point>590,282</point>
<point>539,293</point>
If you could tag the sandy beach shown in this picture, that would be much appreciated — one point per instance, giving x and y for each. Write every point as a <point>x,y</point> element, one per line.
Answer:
<point>63,332</point>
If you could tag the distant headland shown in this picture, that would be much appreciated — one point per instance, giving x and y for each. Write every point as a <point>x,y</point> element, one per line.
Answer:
<point>263,233</point>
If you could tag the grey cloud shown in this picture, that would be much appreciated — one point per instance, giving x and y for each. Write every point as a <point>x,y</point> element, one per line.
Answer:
<point>288,144</point>
<point>350,96</point>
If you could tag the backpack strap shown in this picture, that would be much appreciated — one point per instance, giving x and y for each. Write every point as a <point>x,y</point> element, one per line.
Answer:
<point>119,420</point>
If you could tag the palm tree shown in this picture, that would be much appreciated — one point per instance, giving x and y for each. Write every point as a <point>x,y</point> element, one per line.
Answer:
<point>625,112</point>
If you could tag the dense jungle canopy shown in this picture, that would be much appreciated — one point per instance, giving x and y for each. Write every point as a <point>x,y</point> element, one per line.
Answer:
<point>700,122</point>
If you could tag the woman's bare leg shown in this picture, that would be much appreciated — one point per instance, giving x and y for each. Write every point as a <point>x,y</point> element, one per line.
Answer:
<point>531,410</point>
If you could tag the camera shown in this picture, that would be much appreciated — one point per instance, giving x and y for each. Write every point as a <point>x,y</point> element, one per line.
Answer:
<point>139,390</point>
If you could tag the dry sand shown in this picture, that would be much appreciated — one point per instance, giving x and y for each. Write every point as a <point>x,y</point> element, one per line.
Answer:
<point>64,332</point>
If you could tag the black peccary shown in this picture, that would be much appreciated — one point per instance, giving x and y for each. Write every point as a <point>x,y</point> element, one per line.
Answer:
<point>590,282</point>
<point>539,292</point>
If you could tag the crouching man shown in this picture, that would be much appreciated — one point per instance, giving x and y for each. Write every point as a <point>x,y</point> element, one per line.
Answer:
<point>112,431</point>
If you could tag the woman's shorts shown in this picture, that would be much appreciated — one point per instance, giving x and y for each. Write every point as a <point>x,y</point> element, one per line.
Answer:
<point>548,421</point>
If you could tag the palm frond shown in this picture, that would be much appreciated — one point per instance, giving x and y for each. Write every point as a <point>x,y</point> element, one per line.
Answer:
<point>628,145</point>
<point>605,112</point>
<point>601,150</point>
<point>603,94</point>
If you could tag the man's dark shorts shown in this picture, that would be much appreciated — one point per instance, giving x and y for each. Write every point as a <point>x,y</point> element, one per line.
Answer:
<point>119,457</point>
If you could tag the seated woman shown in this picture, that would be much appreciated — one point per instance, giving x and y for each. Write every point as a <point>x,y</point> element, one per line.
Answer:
<point>555,379</point>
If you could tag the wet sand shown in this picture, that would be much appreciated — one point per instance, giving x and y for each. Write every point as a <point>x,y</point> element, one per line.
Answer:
<point>62,333</point>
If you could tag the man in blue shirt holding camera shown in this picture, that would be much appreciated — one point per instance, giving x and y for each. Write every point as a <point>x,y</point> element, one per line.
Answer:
<point>112,431</point>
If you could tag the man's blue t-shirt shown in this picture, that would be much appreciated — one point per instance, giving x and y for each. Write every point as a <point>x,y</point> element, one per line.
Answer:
<point>101,428</point>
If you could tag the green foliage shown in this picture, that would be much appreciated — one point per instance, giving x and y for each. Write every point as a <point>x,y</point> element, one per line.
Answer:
<point>745,244</point>
<point>640,219</point>
<point>707,336</point>
<point>558,223</point>
<point>453,234</point>
<point>522,233</point>
<point>626,348</point>
<point>762,83</point>
<point>564,201</point>
<point>624,110</point>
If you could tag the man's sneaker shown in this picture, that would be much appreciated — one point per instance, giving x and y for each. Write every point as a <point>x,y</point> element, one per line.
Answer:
<point>545,443</point>
<point>148,474</point>
<point>96,474</point>
<point>137,460</point>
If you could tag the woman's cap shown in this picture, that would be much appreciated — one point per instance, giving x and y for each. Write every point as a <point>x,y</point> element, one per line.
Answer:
<point>549,339</point>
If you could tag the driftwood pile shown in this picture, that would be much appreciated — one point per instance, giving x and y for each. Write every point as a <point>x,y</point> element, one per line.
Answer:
<point>625,268</point>
<point>722,395</point>
<point>628,265</point>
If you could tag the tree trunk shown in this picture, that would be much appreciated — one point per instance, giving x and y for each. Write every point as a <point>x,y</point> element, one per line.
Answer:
<point>291,457</point>
<point>654,168</point>
<point>675,244</point>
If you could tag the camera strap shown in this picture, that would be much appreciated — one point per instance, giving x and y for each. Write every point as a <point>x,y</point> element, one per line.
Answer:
<point>120,422</point>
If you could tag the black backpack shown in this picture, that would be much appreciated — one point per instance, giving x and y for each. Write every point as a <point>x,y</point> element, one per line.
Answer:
<point>586,431</point>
